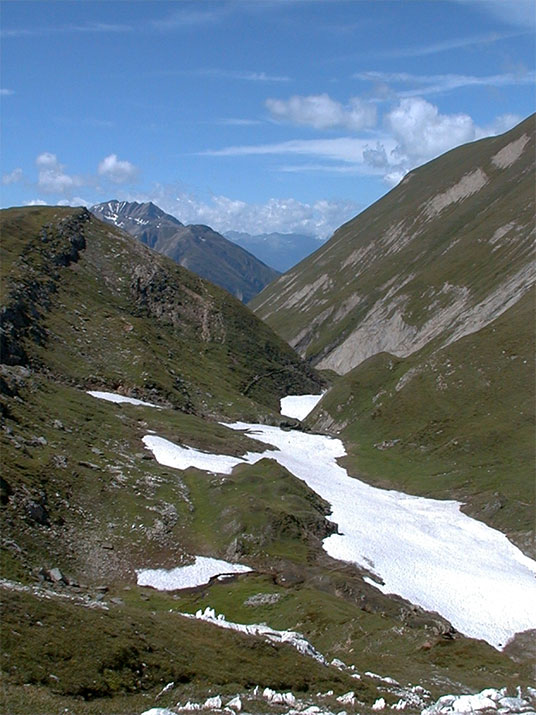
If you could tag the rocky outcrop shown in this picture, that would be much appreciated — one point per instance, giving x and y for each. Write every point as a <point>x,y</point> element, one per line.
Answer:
<point>35,280</point>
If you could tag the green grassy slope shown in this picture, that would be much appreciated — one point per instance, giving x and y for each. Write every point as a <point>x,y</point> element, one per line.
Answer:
<point>457,422</point>
<point>86,306</point>
<point>441,253</point>
<point>125,317</point>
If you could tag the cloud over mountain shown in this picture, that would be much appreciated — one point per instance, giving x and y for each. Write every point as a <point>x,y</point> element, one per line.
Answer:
<point>117,170</point>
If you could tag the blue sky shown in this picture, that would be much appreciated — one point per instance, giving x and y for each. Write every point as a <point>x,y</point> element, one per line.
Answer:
<point>252,115</point>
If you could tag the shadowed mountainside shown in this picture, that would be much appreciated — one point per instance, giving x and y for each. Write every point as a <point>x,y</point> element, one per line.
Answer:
<point>196,247</point>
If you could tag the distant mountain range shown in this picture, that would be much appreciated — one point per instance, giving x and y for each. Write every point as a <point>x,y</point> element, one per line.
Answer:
<point>279,250</point>
<point>196,247</point>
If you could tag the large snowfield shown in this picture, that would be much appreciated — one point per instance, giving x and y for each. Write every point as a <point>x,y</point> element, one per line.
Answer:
<point>424,550</point>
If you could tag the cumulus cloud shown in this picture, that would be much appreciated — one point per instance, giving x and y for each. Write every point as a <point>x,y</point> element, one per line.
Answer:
<point>421,132</point>
<point>52,178</point>
<point>12,177</point>
<point>117,170</point>
<point>319,218</point>
<point>75,201</point>
<point>322,112</point>
<point>414,132</point>
<point>36,202</point>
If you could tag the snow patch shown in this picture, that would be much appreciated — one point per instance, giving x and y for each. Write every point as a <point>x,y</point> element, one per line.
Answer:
<point>113,397</point>
<point>424,550</point>
<point>299,406</point>
<point>196,574</point>
<point>174,455</point>
<point>296,640</point>
<point>486,700</point>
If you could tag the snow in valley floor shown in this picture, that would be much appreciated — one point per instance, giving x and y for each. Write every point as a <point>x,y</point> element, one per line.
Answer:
<point>424,550</point>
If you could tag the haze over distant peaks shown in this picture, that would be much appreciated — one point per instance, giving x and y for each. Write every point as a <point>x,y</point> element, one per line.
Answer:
<point>196,247</point>
<point>279,250</point>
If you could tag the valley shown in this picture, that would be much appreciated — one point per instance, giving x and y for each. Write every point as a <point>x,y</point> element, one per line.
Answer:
<point>198,515</point>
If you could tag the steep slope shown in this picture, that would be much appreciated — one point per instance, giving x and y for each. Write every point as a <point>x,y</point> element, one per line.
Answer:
<point>84,504</point>
<point>439,257</point>
<point>279,250</point>
<point>198,248</point>
<point>424,303</point>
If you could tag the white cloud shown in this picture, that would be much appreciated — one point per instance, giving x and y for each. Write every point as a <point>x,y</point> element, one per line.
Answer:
<point>246,75</point>
<point>36,202</point>
<point>117,170</point>
<point>322,112</point>
<point>520,13</point>
<point>52,177</point>
<point>12,177</point>
<point>75,201</point>
<point>319,218</point>
<point>346,149</point>
<point>421,132</point>
<point>414,132</point>
<point>187,17</point>
<point>449,45</point>
<point>440,83</point>
<point>6,92</point>
<point>230,122</point>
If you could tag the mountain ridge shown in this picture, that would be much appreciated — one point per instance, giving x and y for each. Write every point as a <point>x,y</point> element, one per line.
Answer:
<point>412,241</point>
<point>196,247</point>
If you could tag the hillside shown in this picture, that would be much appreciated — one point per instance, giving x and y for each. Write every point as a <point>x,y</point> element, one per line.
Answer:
<point>198,248</point>
<point>279,250</point>
<point>423,304</point>
<point>86,505</point>
<point>439,257</point>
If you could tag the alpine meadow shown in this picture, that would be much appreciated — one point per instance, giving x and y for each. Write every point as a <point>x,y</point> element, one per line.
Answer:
<point>267,341</point>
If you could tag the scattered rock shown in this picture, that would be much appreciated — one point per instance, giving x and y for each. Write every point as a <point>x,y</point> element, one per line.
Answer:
<point>262,599</point>
<point>89,465</point>
<point>58,424</point>
<point>39,442</point>
<point>37,512</point>
<point>5,491</point>
<point>235,704</point>
<point>60,461</point>
<point>54,575</point>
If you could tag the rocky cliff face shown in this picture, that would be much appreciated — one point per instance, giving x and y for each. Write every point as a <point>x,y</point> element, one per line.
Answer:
<point>198,248</point>
<point>441,256</point>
